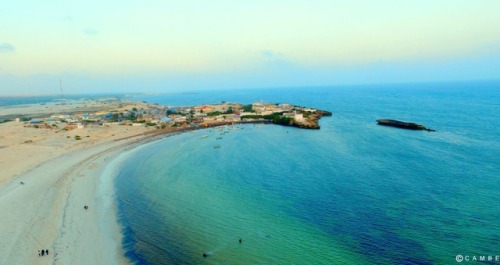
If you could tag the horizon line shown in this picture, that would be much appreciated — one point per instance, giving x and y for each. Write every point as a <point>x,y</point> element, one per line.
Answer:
<point>199,90</point>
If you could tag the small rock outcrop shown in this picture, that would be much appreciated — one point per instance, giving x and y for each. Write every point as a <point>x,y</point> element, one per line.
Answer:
<point>403,125</point>
<point>311,120</point>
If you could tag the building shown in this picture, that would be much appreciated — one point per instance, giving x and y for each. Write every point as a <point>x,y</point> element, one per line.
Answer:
<point>203,109</point>
<point>299,117</point>
<point>179,118</point>
<point>247,114</point>
<point>258,107</point>
<point>199,115</point>
<point>285,106</point>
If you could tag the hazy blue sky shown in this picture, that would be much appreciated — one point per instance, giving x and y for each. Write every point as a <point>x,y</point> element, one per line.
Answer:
<point>151,46</point>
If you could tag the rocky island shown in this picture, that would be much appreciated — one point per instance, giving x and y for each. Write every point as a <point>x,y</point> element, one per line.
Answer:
<point>403,125</point>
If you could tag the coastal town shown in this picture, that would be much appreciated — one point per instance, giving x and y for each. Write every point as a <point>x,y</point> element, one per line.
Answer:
<point>113,112</point>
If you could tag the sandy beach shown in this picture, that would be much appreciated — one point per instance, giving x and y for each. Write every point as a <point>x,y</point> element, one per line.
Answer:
<point>50,172</point>
<point>47,178</point>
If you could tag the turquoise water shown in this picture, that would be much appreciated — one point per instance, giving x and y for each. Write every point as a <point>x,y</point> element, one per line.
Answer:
<point>352,192</point>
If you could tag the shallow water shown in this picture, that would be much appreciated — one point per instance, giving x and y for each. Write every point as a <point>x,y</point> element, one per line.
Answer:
<point>352,192</point>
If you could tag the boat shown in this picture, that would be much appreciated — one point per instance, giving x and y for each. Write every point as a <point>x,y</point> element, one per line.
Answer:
<point>204,136</point>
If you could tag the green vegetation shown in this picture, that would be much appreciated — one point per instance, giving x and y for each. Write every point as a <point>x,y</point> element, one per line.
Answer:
<point>277,118</point>
<point>132,116</point>
<point>252,117</point>
<point>214,113</point>
<point>150,124</point>
<point>282,120</point>
<point>77,137</point>
<point>25,119</point>
<point>134,109</point>
<point>115,117</point>
<point>3,121</point>
<point>248,108</point>
<point>217,113</point>
<point>171,111</point>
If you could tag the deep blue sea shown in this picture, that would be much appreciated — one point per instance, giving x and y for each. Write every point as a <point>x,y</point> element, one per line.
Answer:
<point>352,192</point>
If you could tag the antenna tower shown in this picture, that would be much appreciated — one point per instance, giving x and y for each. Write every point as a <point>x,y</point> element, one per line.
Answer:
<point>60,86</point>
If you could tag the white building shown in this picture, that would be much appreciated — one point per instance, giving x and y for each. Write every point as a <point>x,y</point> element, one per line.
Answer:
<point>180,118</point>
<point>258,107</point>
<point>298,117</point>
<point>247,114</point>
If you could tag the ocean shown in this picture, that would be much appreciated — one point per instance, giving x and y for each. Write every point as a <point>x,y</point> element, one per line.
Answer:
<point>352,192</point>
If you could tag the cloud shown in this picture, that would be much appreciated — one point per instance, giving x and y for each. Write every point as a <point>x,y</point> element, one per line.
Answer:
<point>90,31</point>
<point>6,48</point>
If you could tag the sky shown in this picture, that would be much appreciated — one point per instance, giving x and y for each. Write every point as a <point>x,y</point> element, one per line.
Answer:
<point>191,45</point>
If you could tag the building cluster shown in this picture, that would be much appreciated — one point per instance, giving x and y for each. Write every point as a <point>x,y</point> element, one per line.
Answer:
<point>233,112</point>
<point>150,115</point>
<point>161,116</point>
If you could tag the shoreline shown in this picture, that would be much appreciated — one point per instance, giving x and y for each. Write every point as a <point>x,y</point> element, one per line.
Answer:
<point>46,212</point>
<point>43,207</point>
<point>49,177</point>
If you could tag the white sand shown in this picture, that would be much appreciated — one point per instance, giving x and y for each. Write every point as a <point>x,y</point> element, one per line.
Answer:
<point>60,176</point>
<point>47,211</point>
